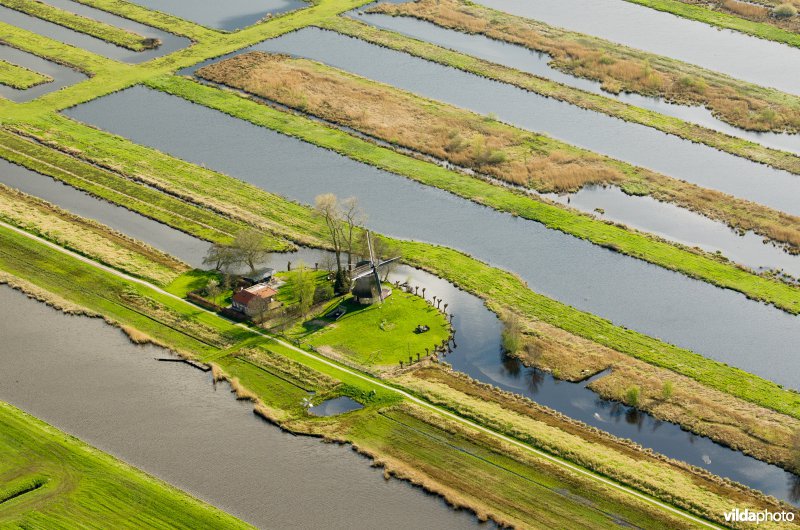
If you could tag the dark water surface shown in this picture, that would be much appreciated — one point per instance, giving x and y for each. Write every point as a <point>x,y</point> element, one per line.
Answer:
<point>718,323</point>
<point>87,379</point>
<point>537,63</point>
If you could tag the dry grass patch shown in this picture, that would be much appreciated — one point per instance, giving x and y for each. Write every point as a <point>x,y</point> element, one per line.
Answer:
<point>445,132</point>
<point>618,68</point>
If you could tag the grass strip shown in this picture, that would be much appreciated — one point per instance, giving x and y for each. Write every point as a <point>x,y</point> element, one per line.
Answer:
<point>619,68</point>
<point>101,183</point>
<point>612,236</point>
<point>88,237</point>
<point>502,290</point>
<point>71,484</point>
<point>89,26</point>
<point>594,102</point>
<point>700,13</point>
<point>20,77</point>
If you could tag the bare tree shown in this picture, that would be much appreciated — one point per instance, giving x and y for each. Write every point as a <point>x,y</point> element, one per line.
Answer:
<point>220,257</point>
<point>327,205</point>
<point>251,247</point>
<point>343,220</point>
<point>354,217</point>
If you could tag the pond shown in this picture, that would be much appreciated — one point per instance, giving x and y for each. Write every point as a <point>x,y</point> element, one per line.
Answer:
<point>335,406</point>
<point>62,75</point>
<point>718,323</point>
<point>84,377</point>
<point>536,63</point>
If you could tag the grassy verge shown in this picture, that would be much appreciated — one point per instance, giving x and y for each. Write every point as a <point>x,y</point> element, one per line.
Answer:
<point>20,77</point>
<point>618,68</point>
<point>502,290</point>
<point>120,37</point>
<point>51,479</point>
<point>103,184</point>
<point>413,442</point>
<point>612,236</point>
<point>87,237</point>
<point>545,87</point>
<point>719,19</point>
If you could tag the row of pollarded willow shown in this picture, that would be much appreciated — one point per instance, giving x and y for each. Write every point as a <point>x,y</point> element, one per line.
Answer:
<point>20,77</point>
<point>502,290</point>
<point>618,68</point>
<point>470,140</point>
<point>118,36</point>
<point>444,467</point>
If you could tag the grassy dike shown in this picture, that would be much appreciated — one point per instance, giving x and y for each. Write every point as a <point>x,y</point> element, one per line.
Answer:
<point>618,68</point>
<point>20,77</point>
<point>501,290</point>
<point>594,102</point>
<point>700,13</point>
<point>412,441</point>
<point>112,34</point>
<point>51,479</point>
<point>612,236</point>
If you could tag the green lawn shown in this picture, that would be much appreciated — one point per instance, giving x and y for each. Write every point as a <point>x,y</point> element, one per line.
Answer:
<point>378,334</point>
<point>49,479</point>
<point>19,77</point>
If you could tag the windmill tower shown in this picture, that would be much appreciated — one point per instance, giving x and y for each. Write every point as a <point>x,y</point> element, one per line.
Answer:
<point>367,287</point>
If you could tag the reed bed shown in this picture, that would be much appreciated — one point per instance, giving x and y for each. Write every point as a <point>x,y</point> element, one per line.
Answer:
<point>618,68</point>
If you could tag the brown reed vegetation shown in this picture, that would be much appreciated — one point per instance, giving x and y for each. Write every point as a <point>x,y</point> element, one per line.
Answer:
<point>754,430</point>
<point>618,68</point>
<point>476,142</point>
<point>460,137</point>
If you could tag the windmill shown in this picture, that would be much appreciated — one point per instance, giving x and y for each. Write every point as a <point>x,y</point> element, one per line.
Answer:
<point>365,277</point>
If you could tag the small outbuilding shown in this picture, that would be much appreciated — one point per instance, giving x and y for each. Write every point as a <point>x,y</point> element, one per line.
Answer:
<point>254,300</point>
<point>263,275</point>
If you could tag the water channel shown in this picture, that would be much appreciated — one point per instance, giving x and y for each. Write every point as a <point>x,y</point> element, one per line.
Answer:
<point>756,60</point>
<point>526,60</point>
<point>170,42</point>
<point>62,75</point>
<point>718,323</point>
<point>478,352</point>
<point>84,377</point>
<point>637,144</point>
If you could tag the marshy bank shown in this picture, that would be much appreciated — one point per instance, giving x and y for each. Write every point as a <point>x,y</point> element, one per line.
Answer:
<point>86,378</point>
<point>718,323</point>
<point>227,16</point>
<point>539,63</point>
